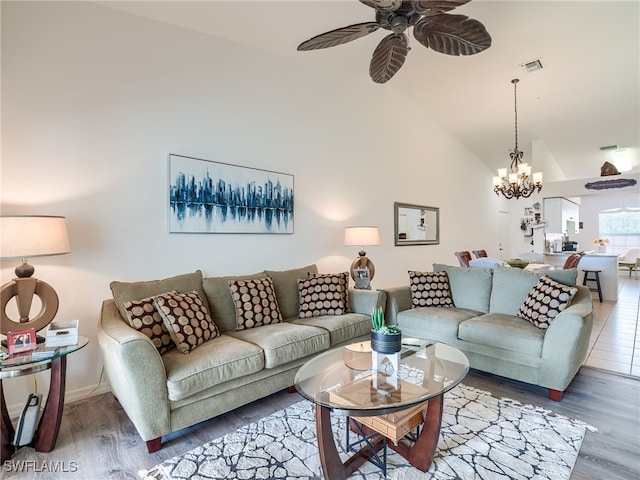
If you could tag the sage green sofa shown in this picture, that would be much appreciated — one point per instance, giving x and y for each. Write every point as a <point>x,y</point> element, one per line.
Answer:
<point>483,324</point>
<point>166,393</point>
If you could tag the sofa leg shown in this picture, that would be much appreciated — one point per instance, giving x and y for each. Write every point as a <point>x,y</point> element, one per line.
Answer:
<point>154,445</point>
<point>555,395</point>
<point>292,389</point>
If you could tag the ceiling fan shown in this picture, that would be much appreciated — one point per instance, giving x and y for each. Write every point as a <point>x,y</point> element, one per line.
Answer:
<point>432,27</point>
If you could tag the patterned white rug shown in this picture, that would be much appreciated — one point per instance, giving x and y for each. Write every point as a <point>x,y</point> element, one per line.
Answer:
<point>482,437</point>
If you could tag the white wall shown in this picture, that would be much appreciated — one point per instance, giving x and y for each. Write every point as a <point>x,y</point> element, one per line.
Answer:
<point>94,100</point>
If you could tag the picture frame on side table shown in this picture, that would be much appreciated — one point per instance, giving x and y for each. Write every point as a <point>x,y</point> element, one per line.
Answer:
<point>416,224</point>
<point>362,278</point>
<point>214,197</point>
<point>21,341</point>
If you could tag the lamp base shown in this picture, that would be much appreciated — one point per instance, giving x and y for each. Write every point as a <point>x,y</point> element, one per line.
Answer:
<point>24,289</point>
<point>362,262</point>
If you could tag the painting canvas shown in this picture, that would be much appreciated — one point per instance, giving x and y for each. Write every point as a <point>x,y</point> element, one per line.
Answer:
<point>213,197</point>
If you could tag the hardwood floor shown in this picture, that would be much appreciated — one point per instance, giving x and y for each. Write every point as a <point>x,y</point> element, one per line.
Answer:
<point>97,441</point>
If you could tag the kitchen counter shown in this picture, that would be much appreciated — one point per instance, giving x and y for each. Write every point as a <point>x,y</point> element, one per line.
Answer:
<point>607,263</point>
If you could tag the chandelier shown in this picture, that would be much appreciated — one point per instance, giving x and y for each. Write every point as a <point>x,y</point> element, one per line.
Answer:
<point>519,182</point>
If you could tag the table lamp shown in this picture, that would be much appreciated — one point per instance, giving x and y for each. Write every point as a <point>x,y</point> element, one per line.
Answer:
<point>23,237</point>
<point>362,236</point>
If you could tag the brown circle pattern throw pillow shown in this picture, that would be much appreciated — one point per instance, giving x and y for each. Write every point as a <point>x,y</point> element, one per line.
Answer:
<point>144,317</point>
<point>430,289</point>
<point>187,318</point>
<point>256,303</point>
<point>545,301</point>
<point>326,294</point>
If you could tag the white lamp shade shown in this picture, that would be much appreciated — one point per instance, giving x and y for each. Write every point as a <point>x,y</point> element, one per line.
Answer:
<point>29,236</point>
<point>361,236</point>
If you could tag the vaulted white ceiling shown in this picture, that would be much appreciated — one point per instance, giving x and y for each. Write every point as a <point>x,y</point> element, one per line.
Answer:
<point>586,96</point>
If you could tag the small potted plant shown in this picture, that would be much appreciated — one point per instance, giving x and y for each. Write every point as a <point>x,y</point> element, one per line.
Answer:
<point>384,338</point>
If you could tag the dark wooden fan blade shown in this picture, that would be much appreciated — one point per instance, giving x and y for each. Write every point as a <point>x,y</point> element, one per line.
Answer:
<point>388,57</point>
<point>339,36</point>
<point>452,34</point>
<point>435,7</point>
<point>383,5</point>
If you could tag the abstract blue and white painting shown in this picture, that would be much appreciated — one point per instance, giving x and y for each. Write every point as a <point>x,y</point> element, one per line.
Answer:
<point>213,197</point>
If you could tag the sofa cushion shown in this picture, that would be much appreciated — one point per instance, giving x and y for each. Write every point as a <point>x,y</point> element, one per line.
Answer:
<point>144,317</point>
<point>256,303</point>
<point>434,322</point>
<point>186,317</point>
<point>222,359</point>
<point>545,301</point>
<point>285,342</point>
<point>341,328</point>
<point>487,262</point>
<point>321,295</point>
<point>470,287</point>
<point>512,285</point>
<point>285,283</point>
<point>503,331</point>
<point>430,289</point>
<point>221,306</point>
<point>128,291</point>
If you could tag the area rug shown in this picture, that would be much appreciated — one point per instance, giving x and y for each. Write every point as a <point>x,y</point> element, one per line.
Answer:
<point>482,437</point>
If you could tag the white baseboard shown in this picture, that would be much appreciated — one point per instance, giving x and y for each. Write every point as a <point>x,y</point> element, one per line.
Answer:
<point>71,396</point>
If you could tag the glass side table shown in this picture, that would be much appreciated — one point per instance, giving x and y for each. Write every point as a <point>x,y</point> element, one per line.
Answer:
<point>426,373</point>
<point>20,365</point>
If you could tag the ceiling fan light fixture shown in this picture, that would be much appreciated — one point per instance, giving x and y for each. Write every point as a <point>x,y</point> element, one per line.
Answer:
<point>432,27</point>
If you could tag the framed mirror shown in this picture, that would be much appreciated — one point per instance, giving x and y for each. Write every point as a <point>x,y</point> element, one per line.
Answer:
<point>416,224</point>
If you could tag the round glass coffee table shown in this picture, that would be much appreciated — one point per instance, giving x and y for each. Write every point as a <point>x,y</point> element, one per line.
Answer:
<point>398,394</point>
<point>24,364</point>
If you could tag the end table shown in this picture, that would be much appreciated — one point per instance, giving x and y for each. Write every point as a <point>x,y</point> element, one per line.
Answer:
<point>20,365</point>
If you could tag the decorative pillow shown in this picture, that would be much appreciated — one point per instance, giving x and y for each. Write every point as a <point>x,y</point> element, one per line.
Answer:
<point>285,283</point>
<point>430,289</point>
<point>128,291</point>
<point>545,301</point>
<point>144,317</point>
<point>512,285</point>
<point>326,294</point>
<point>256,303</point>
<point>187,319</point>
<point>222,308</point>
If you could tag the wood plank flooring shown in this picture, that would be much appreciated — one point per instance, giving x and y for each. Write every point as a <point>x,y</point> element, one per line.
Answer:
<point>97,441</point>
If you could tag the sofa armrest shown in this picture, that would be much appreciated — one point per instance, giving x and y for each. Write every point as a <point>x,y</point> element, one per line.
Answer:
<point>366,301</point>
<point>136,373</point>
<point>566,341</point>
<point>398,300</point>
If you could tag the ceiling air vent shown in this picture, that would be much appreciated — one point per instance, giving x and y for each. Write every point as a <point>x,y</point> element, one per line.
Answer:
<point>532,66</point>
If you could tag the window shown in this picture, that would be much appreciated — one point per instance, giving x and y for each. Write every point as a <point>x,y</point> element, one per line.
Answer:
<point>621,226</point>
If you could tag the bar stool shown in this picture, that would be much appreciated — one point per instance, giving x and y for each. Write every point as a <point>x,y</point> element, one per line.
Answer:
<point>596,278</point>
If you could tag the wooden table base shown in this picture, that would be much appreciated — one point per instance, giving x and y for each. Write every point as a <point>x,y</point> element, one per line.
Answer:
<point>420,455</point>
<point>49,426</point>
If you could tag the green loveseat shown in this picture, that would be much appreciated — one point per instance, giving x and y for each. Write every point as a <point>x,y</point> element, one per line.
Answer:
<point>483,324</point>
<point>168,392</point>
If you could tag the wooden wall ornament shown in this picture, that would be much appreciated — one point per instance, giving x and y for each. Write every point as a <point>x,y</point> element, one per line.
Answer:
<point>607,184</point>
